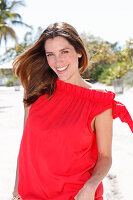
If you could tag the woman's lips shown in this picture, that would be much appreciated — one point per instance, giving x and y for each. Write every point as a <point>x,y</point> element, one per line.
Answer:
<point>62,71</point>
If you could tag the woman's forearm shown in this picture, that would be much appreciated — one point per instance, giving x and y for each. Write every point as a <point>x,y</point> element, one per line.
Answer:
<point>15,191</point>
<point>101,168</point>
<point>100,171</point>
<point>104,132</point>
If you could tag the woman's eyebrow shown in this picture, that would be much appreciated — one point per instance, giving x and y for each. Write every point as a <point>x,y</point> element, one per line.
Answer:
<point>64,49</point>
<point>59,50</point>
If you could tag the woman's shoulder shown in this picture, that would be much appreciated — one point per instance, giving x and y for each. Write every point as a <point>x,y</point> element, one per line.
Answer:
<point>99,94</point>
<point>93,87</point>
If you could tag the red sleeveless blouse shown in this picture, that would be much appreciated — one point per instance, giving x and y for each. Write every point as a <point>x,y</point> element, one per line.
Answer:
<point>58,149</point>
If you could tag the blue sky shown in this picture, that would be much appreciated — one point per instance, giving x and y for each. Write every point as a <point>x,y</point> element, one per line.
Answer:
<point>110,20</point>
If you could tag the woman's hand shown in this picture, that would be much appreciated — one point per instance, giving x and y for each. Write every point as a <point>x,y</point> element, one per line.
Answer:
<point>15,192</point>
<point>16,197</point>
<point>87,192</point>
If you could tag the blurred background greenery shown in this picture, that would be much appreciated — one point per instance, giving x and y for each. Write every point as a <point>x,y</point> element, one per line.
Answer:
<point>107,61</point>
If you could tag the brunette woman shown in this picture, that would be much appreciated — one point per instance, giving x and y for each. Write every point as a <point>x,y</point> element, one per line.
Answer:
<point>65,151</point>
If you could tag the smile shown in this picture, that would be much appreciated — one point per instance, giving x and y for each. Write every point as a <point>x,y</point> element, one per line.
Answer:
<point>62,69</point>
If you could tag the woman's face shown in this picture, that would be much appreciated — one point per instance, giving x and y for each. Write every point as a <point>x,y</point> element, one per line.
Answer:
<point>62,58</point>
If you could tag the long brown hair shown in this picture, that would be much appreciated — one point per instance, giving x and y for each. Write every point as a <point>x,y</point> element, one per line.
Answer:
<point>32,68</point>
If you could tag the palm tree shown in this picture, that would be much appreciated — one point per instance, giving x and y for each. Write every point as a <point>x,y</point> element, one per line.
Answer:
<point>8,18</point>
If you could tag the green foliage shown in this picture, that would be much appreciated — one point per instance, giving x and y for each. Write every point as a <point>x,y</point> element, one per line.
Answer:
<point>12,81</point>
<point>8,18</point>
<point>128,79</point>
<point>105,76</point>
<point>29,39</point>
<point>107,61</point>
<point>126,55</point>
<point>100,51</point>
<point>101,54</point>
<point>5,73</point>
<point>123,65</point>
<point>116,70</point>
<point>95,73</point>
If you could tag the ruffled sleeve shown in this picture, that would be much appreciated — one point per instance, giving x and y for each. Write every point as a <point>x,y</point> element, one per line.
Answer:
<point>118,109</point>
<point>104,100</point>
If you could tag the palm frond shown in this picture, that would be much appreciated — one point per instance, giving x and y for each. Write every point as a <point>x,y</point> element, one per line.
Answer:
<point>8,17</point>
<point>14,4</point>
<point>16,16</point>
<point>6,30</point>
<point>16,22</point>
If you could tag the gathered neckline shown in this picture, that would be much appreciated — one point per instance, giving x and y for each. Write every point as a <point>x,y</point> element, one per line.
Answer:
<point>80,91</point>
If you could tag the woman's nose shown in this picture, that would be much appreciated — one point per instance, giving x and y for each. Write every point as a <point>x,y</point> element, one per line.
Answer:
<point>58,61</point>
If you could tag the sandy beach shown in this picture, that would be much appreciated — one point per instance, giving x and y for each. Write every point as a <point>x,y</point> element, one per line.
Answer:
<point>118,182</point>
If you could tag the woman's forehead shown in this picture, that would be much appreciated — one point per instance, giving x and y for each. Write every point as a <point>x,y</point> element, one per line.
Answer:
<point>57,43</point>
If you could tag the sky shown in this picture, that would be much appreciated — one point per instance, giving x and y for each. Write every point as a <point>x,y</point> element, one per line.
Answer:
<point>110,20</point>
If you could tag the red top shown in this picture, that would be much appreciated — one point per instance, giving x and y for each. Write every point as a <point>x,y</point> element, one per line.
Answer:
<point>58,149</point>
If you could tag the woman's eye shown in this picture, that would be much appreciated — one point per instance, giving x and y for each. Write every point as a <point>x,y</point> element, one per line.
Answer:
<point>64,52</point>
<point>48,55</point>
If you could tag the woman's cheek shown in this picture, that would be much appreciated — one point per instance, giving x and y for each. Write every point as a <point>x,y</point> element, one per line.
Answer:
<point>50,62</point>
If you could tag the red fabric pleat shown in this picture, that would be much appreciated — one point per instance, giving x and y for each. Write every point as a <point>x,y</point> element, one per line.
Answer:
<point>58,149</point>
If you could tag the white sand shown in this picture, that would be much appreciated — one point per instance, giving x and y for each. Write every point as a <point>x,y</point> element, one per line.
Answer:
<point>117,184</point>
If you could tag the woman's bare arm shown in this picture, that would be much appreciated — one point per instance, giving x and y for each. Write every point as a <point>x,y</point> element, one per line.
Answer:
<point>103,127</point>
<point>26,112</point>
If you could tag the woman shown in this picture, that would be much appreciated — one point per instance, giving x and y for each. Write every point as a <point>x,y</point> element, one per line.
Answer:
<point>65,151</point>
